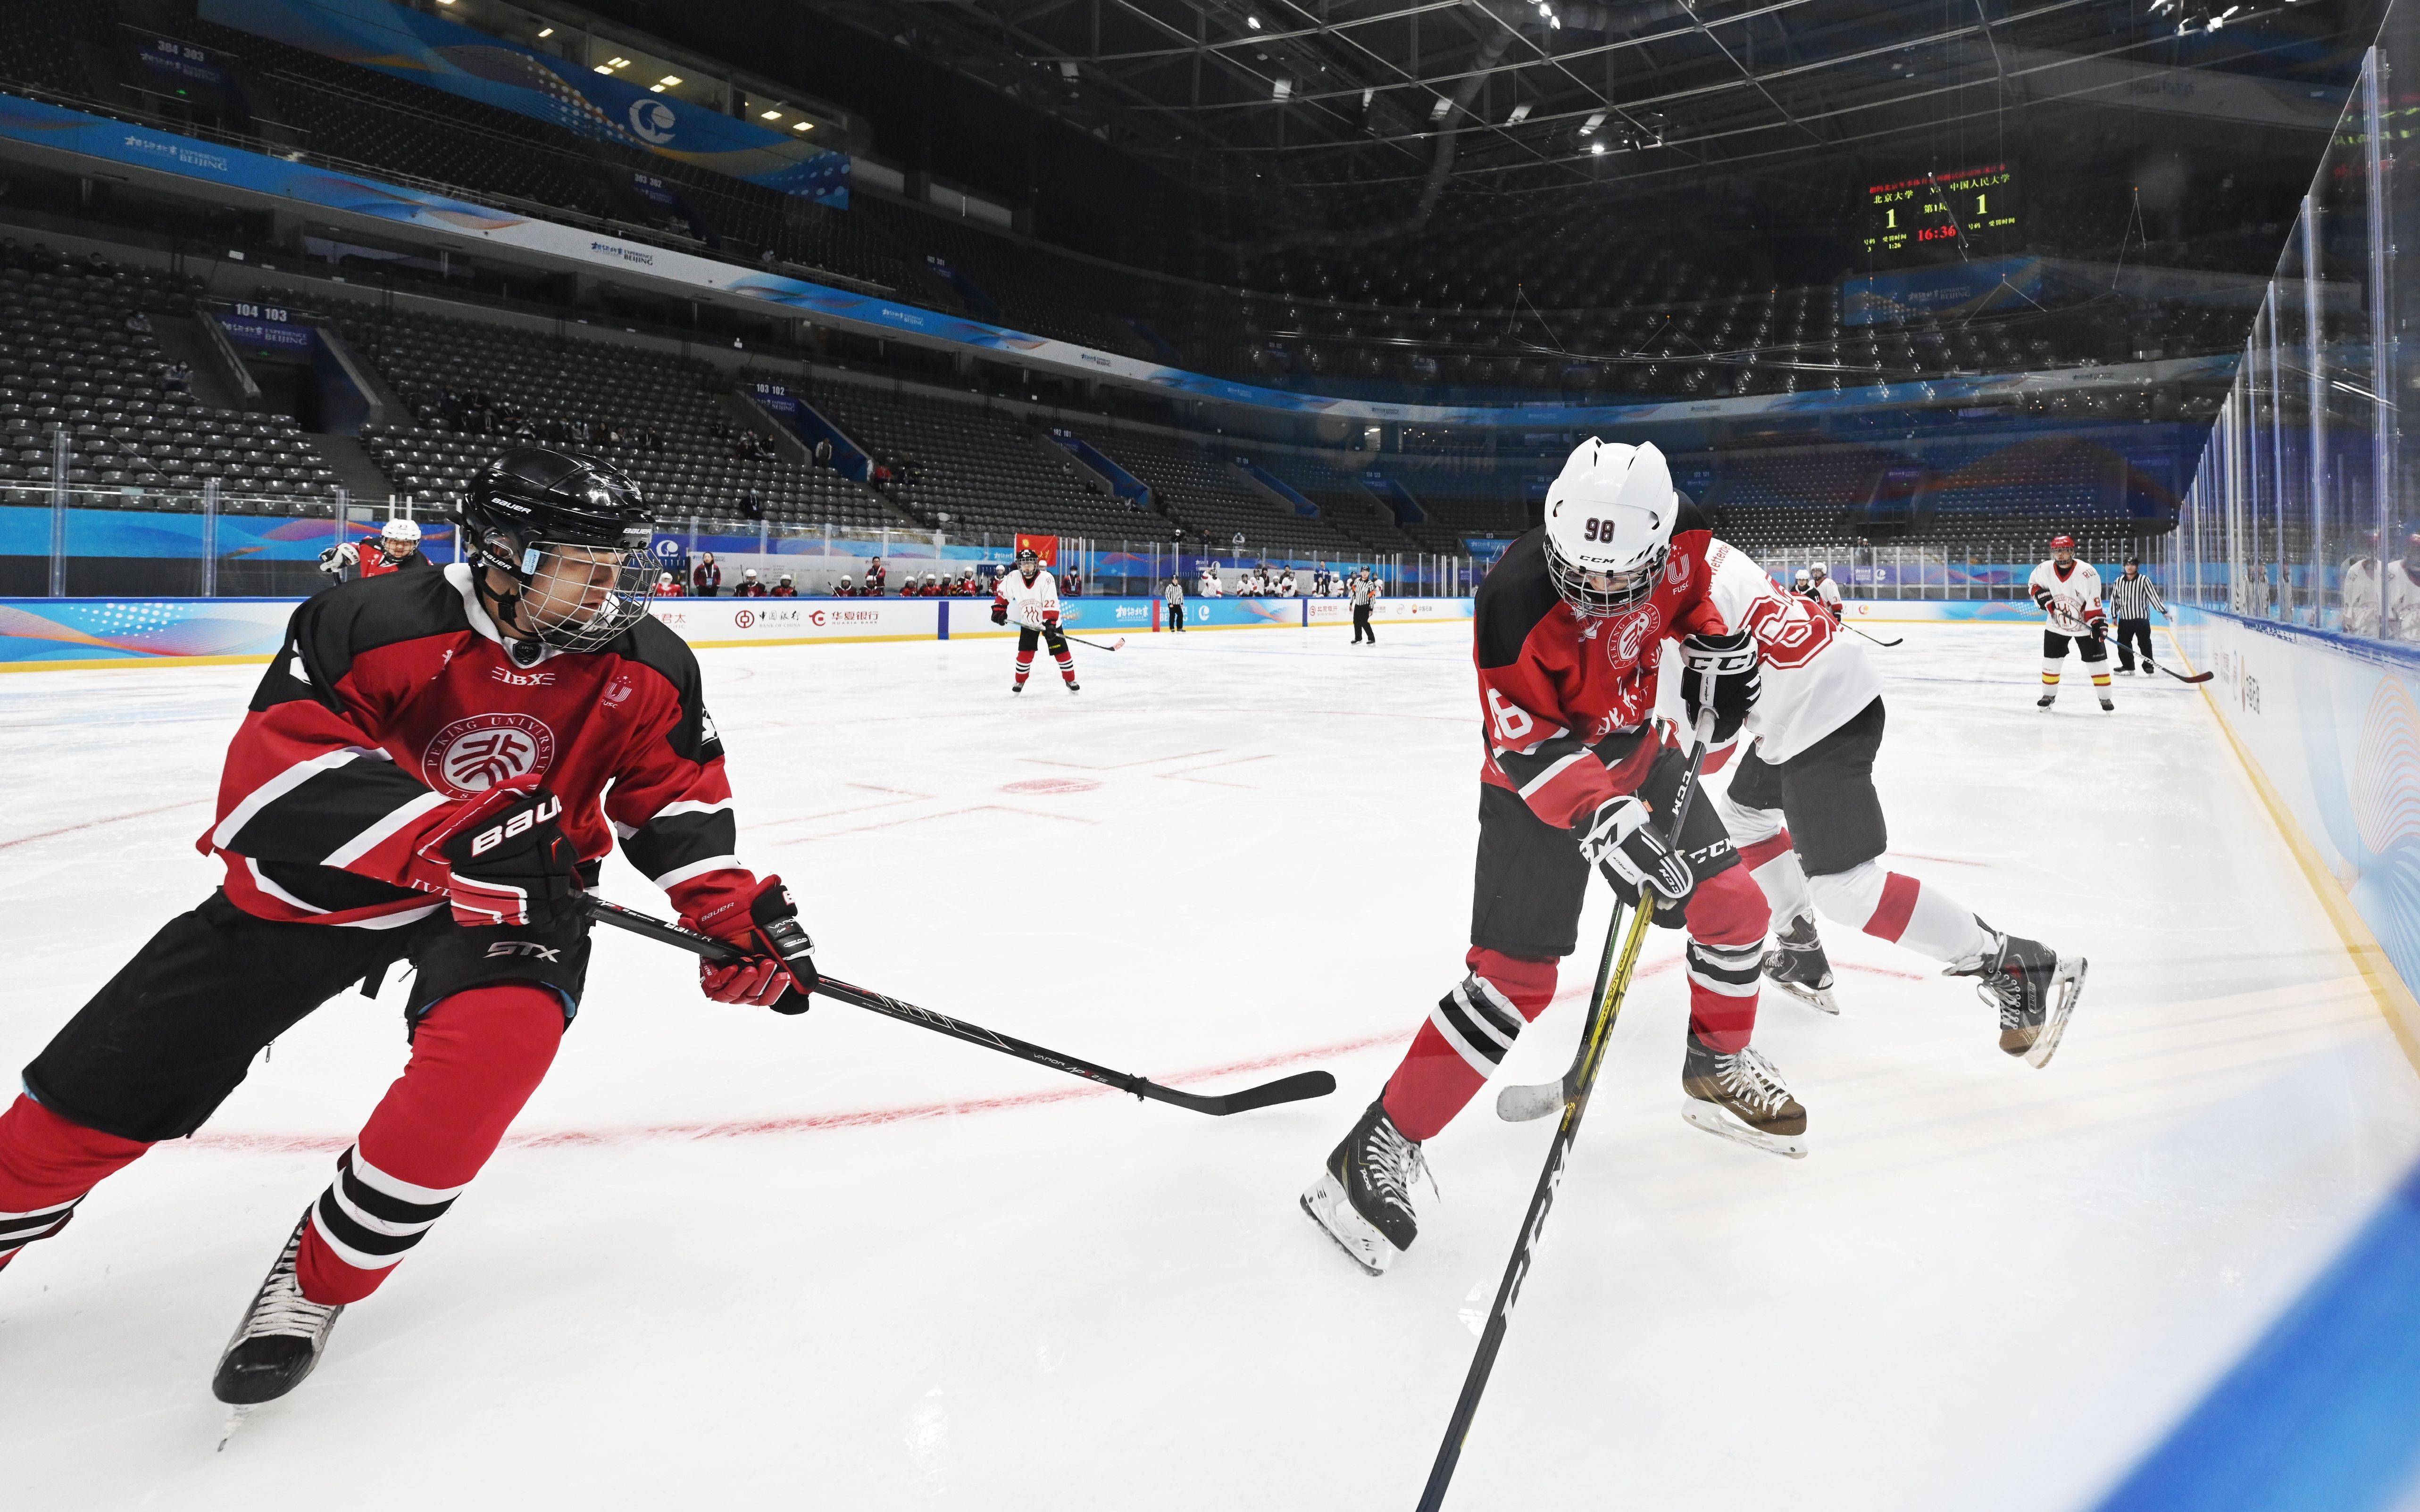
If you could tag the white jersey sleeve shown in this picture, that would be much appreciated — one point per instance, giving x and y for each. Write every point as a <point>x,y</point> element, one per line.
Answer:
<point>1030,604</point>
<point>2072,598</point>
<point>1815,678</point>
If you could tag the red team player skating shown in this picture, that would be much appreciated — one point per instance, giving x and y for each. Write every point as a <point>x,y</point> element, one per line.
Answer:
<point>1028,596</point>
<point>1568,633</point>
<point>431,770</point>
<point>1802,809</point>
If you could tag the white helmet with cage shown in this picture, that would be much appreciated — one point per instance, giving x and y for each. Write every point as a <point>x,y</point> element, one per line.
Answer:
<point>1610,525</point>
<point>401,529</point>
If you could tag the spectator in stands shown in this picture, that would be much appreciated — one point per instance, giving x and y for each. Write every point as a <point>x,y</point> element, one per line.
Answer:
<point>1072,585</point>
<point>706,577</point>
<point>823,452</point>
<point>786,588</point>
<point>178,379</point>
<point>138,322</point>
<point>749,585</point>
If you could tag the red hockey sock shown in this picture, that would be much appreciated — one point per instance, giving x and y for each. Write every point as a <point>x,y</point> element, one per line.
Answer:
<point>475,1058</point>
<point>1727,918</point>
<point>47,1164</point>
<point>1024,666</point>
<point>1066,665</point>
<point>1464,1039</point>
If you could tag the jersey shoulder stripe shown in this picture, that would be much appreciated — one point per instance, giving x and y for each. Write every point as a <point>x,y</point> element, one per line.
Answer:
<point>1517,593</point>
<point>336,626</point>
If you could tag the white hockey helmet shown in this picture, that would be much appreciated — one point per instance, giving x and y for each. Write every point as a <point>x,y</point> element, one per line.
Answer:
<point>750,573</point>
<point>1610,525</point>
<point>399,529</point>
<point>1801,577</point>
<point>1821,571</point>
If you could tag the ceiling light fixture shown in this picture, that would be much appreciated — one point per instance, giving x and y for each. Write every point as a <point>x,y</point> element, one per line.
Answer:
<point>1588,128</point>
<point>1596,149</point>
<point>1281,89</point>
<point>546,31</point>
<point>1437,112</point>
<point>1253,22</point>
<point>1520,113</point>
<point>669,80</point>
<point>803,126</point>
<point>770,116</point>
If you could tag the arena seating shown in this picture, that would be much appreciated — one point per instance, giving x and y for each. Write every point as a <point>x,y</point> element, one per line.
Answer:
<point>73,356</point>
<point>1344,505</point>
<point>1201,492</point>
<point>476,389</point>
<point>987,473</point>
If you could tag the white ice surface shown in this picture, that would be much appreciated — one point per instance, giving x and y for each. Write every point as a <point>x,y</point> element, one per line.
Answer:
<point>692,1279</point>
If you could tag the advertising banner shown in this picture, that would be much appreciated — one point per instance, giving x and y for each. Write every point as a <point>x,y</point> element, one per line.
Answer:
<point>1332,611</point>
<point>25,532</point>
<point>746,621</point>
<point>445,54</point>
<point>62,632</point>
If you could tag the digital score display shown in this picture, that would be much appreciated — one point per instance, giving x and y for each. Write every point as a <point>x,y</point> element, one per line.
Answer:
<point>1932,213</point>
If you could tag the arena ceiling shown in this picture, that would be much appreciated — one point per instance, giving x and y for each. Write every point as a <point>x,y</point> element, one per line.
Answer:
<point>1380,107</point>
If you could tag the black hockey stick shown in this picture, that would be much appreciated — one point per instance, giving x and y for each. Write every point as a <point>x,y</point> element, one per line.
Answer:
<point>1878,640</point>
<point>2197,677</point>
<point>1284,1089</point>
<point>1612,984</point>
<point>1094,644</point>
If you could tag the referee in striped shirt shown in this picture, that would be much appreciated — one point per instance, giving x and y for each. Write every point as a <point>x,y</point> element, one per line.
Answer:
<point>2131,598</point>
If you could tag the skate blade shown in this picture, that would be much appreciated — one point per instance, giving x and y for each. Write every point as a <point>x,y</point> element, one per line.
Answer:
<point>235,1419</point>
<point>2069,982</point>
<point>1323,1203</point>
<point>1713,1120</point>
<point>1818,999</point>
<point>1519,1104</point>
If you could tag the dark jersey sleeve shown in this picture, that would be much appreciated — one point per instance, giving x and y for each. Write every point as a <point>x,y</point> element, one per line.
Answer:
<point>306,780</point>
<point>671,799</point>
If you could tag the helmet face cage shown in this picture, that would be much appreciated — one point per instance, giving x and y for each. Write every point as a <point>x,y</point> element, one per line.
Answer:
<point>576,596</point>
<point>1612,592</point>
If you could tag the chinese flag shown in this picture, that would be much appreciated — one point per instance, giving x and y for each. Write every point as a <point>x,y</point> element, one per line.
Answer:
<point>1045,547</point>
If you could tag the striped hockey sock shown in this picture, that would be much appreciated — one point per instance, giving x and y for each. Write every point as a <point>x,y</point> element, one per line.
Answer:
<point>1066,664</point>
<point>1464,1039</point>
<point>475,1058</point>
<point>1024,666</point>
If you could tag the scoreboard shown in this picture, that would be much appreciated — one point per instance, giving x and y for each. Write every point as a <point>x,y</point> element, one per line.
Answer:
<point>1932,212</point>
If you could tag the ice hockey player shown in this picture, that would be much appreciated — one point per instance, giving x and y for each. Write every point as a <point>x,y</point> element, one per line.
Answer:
<point>2361,587</point>
<point>2403,592</point>
<point>2132,597</point>
<point>395,548</point>
<point>432,769</point>
<point>1575,778</point>
<point>1027,594</point>
<point>1802,809</point>
<point>2069,593</point>
<point>750,586</point>
<point>1803,584</point>
<point>786,588</point>
<point>1823,590</point>
<point>668,586</point>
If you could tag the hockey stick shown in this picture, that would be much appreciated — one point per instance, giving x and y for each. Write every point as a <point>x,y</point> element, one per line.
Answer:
<point>1284,1089</point>
<point>1094,644</point>
<point>1876,639</point>
<point>1612,985</point>
<point>2197,677</point>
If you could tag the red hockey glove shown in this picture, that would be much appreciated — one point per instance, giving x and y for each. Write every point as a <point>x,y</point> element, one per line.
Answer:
<point>1000,614</point>
<point>779,970</point>
<point>503,859</point>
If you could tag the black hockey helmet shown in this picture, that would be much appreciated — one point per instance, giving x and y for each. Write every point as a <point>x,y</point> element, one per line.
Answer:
<point>1026,554</point>
<point>573,534</point>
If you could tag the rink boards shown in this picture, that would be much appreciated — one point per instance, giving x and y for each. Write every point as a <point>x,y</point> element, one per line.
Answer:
<point>40,634</point>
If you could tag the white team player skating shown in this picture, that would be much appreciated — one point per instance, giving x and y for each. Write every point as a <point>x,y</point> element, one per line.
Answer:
<point>1802,807</point>
<point>1028,597</point>
<point>1821,585</point>
<point>2069,593</point>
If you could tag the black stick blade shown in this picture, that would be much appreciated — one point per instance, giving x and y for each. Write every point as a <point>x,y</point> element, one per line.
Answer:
<point>1295,1089</point>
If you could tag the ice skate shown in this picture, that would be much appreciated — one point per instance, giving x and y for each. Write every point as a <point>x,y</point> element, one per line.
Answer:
<point>1797,966</point>
<point>2045,700</point>
<point>1363,1199</point>
<point>2107,707</point>
<point>2034,987</point>
<point>280,1338</point>
<point>1741,1097</point>
<point>1017,687</point>
<point>1075,688</point>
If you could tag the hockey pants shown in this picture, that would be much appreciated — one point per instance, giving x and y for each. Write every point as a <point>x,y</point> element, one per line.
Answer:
<point>1812,833</point>
<point>172,1035</point>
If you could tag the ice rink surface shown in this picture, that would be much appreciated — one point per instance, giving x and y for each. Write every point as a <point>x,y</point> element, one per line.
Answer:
<point>732,1259</point>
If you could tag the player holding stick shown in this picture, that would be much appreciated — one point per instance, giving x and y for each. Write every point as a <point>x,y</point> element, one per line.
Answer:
<point>1030,596</point>
<point>432,769</point>
<point>1569,628</point>
<point>2069,593</point>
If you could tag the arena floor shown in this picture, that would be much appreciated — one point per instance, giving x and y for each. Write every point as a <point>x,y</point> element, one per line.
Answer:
<point>734,1259</point>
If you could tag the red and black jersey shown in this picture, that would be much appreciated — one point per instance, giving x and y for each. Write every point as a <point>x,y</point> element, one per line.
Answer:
<point>374,563</point>
<point>1564,699</point>
<point>394,700</point>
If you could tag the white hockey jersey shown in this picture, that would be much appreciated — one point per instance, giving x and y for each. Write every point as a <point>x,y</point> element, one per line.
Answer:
<point>1030,604</point>
<point>2402,601</point>
<point>2074,598</point>
<point>1815,678</point>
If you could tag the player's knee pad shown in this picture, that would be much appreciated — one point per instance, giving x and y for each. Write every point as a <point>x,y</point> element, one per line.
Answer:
<point>1849,897</point>
<point>1728,909</point>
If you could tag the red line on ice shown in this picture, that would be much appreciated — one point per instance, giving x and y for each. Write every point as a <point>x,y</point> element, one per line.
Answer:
<point>299,1144</point>
<point>95,823</point>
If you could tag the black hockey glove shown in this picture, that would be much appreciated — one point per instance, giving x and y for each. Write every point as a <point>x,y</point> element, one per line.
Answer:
<point>1000,614</point>
<point>779,969</point>
<point>1619,840</point>
<point>504,860</point>
<point>1737,679</point>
